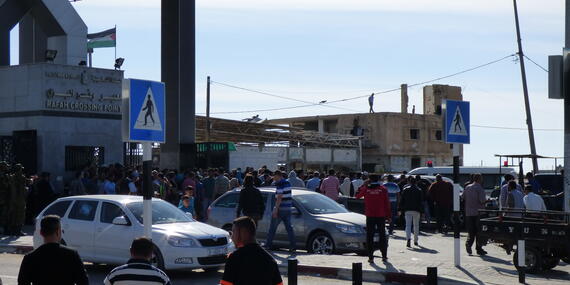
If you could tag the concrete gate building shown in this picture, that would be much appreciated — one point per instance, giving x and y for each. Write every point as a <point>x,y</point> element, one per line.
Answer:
<point>56,114</point>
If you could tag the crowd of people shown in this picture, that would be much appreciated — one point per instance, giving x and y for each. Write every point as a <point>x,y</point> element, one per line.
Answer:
<point>387,201</point>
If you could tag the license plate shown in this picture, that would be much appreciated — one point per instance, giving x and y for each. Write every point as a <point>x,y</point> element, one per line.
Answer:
<point>218,251</point>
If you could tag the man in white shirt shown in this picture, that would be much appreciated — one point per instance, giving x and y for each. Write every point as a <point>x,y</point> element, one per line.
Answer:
<point>533,201</point>
<point>356,183</point>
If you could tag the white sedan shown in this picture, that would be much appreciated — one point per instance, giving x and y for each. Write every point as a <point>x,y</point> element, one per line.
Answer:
<point>102,227</point>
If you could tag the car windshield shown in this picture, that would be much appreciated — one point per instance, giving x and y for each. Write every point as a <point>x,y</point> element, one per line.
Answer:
<point>162,213</point>
<point>319,204</point>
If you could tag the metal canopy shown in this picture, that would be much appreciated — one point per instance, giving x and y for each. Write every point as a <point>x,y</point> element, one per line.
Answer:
<point>223,130</point>
<point>525,156</point>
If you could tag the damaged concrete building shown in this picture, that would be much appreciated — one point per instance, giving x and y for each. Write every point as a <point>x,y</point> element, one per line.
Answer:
<point>393,142</point>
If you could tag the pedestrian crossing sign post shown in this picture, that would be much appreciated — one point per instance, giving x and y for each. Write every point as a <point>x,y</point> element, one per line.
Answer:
<point>456,122</point>
<point>144,111</point>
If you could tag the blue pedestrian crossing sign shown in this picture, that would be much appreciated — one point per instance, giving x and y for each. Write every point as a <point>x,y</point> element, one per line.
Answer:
<point>144,111</point>
<point>456,121</point>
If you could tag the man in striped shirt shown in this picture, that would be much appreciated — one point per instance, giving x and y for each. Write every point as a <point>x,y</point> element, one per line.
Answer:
<point>138,269</point>
<point>281,211</point>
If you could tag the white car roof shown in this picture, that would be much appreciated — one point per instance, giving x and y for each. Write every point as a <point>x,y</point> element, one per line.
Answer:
<point>297,190</point>
<point>463,170</point>
<point>123,199</point>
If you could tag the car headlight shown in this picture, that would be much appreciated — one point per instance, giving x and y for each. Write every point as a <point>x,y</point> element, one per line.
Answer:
<point>347,229</point>
<point>181,242</point>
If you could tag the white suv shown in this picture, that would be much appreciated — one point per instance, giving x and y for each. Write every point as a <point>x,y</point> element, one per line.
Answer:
<point>102,227</point>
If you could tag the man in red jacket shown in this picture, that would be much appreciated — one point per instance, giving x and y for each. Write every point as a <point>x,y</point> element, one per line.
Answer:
<point>377,211</point>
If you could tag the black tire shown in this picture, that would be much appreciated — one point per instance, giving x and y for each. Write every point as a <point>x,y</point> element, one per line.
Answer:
<point>321,243</point>
<point>157,259</point>
<point>550,262</point>
<point>533,260</point>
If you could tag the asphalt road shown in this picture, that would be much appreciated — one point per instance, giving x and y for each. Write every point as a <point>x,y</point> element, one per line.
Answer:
<point>10,265</point>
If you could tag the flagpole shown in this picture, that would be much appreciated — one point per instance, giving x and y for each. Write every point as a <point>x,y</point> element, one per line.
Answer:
<point>115,43</point>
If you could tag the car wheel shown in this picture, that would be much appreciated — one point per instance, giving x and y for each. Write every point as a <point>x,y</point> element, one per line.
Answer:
<point>550,262</point>
<point>157,259</point>
<point>533,260</point>
<point>321,243</point>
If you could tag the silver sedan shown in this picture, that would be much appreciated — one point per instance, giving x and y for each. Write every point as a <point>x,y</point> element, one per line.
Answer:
<point>321,225</point>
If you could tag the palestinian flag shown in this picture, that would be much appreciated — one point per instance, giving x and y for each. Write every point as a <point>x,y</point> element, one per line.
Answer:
<point>103,39</point>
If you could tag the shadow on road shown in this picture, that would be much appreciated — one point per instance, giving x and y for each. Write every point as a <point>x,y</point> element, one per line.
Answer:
<point>471,276</point>
<point>425,250</point>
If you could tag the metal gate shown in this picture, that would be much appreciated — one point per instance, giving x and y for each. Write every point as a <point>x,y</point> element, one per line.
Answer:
<point>212,155</point>
<point>133,154</point>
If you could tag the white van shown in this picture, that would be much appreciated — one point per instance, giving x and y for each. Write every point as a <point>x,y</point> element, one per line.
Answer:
<point>492,176</point>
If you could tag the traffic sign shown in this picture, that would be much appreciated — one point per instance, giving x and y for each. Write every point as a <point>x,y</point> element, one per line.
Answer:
<point>144,111</point>
<point>456,121</point>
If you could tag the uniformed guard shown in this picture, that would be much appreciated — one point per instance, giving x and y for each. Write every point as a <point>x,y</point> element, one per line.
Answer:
<point>4,194</point>
<point>17,208</point>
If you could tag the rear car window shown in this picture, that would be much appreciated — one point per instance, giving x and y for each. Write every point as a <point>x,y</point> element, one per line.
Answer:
<point>228,201</point>
<point>109,212</point>
<point>83,210</point>
<point>58,209</point>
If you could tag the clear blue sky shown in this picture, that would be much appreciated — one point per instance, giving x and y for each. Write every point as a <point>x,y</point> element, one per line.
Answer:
<point>317,50</point>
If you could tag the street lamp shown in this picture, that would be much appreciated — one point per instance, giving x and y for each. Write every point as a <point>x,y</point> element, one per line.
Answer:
<point>50,55</point>
<point>119,62</point>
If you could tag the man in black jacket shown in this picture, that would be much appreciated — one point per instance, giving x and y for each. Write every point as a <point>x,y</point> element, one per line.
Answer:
<point>52,263</point>
<point>250,264</point>
<point>250,200</point>
<point>411,203</point>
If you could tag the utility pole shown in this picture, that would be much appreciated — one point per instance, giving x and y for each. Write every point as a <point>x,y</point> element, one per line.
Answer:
<point>208,110</point>
<point>525,91</point>
<point>566,93</point>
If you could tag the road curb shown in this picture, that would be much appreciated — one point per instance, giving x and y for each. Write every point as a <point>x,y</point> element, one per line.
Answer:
<point>377,276</point>
<point>17,249</point>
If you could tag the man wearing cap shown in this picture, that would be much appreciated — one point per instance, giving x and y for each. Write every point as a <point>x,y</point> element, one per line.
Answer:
<point>377,211</point>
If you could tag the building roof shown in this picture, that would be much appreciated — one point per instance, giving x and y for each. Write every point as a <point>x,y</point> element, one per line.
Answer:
<point>325,117</point>
<point>223,130</point>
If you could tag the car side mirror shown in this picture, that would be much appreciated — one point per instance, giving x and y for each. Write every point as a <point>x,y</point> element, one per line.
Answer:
<point>295,211</point>
<point>121,221</point>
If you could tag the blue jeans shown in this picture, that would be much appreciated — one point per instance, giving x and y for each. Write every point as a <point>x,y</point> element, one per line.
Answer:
<point>284,216</point>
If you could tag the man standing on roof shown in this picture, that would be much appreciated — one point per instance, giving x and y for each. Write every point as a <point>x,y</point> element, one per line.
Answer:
<point>371,102</point>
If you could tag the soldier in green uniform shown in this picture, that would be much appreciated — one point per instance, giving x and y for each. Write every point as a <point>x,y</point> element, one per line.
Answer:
<point>4,194</point>
<point>17,208</point>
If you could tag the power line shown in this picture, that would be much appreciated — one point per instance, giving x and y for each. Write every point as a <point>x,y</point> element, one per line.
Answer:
<point>262,110</point>
<point>326,102</point>
<point>539,66</point>
<point>515,129</point>
<point>279,96</point>
<point>432,80</point>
